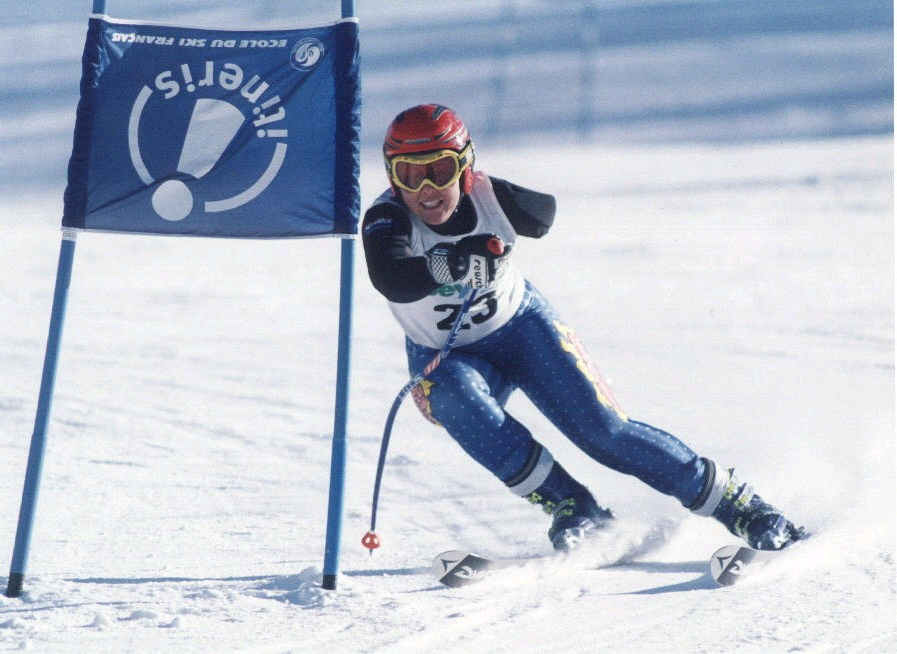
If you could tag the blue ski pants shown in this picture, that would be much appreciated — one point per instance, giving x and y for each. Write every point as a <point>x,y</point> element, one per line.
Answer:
<point>536,353</point>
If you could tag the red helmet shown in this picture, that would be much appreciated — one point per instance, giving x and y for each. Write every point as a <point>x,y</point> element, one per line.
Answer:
<point>428,128</point>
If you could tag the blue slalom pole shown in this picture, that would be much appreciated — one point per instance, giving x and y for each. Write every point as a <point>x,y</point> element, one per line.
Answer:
<point>340,419</point>
<point>341,411</point>
<point>44,402</point>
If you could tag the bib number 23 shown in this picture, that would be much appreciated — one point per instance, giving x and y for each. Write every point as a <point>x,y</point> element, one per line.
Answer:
<point>483,309</point>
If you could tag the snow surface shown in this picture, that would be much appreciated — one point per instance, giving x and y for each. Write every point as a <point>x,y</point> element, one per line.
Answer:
<point>724,246</point>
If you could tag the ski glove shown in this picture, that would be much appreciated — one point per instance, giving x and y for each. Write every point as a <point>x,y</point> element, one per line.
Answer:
<point>475,260</point>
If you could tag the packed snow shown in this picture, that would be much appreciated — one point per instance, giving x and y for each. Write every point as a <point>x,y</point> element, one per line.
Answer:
<point>724,246</point>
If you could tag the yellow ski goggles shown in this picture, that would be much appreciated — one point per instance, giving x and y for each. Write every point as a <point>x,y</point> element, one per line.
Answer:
<point>439,169</point>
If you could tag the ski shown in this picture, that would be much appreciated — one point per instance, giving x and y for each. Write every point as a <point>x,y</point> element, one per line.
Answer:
<point>728,565</point>
<point>732,563</point>
<point>456,568</point>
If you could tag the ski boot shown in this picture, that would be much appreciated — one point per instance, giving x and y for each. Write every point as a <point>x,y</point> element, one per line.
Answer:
<point>574,511</point>
<point>575,518</point>
<point>747,515</point>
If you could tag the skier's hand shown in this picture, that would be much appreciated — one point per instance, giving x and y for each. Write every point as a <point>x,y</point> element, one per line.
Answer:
<point>475,260</point>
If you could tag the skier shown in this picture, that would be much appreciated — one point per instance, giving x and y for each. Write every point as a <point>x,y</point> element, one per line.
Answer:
<point>442,228</point>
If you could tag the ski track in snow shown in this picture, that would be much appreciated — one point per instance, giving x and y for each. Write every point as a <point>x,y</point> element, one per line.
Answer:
<point>739,294</point>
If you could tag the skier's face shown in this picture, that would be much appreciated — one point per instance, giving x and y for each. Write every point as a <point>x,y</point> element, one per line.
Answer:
<point>433,206</point>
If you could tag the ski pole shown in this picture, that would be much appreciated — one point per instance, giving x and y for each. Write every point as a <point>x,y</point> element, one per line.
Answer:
<point>371,540</point>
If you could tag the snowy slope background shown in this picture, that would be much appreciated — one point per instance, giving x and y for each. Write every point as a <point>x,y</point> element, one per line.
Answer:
<point>724,246</point>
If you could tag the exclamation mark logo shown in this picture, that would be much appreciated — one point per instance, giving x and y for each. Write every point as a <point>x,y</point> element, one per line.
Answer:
<point>213,125</point>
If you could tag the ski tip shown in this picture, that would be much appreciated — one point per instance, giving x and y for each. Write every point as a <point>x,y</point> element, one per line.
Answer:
<point>731,563</point>
<point>727,563</point>
<point>446,564</point>
<point>445,561</point>
<point>455,568</point>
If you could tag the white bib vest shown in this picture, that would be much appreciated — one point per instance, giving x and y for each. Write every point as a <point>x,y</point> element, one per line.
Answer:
<point>427,321</point>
